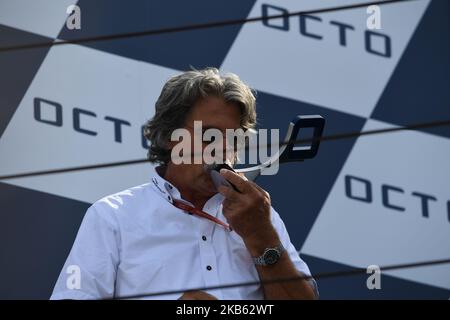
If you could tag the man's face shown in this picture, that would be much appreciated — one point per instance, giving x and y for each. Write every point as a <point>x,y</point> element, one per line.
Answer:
<point>214,113</point>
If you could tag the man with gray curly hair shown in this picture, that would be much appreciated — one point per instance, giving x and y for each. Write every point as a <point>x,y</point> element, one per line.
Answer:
<point>142,243</point>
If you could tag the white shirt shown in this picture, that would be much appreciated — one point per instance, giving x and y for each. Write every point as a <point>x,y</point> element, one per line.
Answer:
<point>136,242</point>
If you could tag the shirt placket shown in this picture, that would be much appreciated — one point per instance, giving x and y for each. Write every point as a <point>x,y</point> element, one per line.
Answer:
<point>205,230</point>
<point>208,258</point>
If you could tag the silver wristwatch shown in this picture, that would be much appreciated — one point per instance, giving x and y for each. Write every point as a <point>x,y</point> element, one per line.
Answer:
<point>270,256</point>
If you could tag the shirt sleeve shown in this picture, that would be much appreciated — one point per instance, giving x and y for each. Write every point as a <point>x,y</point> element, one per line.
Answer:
<point>299,264</point>
<point>90,269</point>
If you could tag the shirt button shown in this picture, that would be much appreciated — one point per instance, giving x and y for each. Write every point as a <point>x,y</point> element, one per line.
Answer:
<point>208,268</point>
<point>203,238</point>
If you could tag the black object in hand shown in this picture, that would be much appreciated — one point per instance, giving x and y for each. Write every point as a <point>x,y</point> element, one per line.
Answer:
<point>217,178</point>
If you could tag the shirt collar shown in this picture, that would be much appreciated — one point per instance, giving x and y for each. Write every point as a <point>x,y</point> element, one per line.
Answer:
<point>169,192</point>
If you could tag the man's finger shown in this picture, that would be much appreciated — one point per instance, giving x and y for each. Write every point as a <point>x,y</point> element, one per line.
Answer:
<point>241,183</point>
<point>227,205</point>
<point>228,192</point>
<point>260,189</point>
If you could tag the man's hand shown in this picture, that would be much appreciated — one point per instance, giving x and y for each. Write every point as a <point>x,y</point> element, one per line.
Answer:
<point>248,212</point>
<point>197,295</point>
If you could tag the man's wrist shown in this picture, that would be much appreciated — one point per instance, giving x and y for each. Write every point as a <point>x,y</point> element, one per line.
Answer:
<point>258,242</point>
<point>270,256</point>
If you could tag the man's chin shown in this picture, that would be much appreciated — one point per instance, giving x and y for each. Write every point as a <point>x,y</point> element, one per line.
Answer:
<point>209,187</point>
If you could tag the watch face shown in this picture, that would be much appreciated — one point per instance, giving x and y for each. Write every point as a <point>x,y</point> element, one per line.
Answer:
<point>271,256</point>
